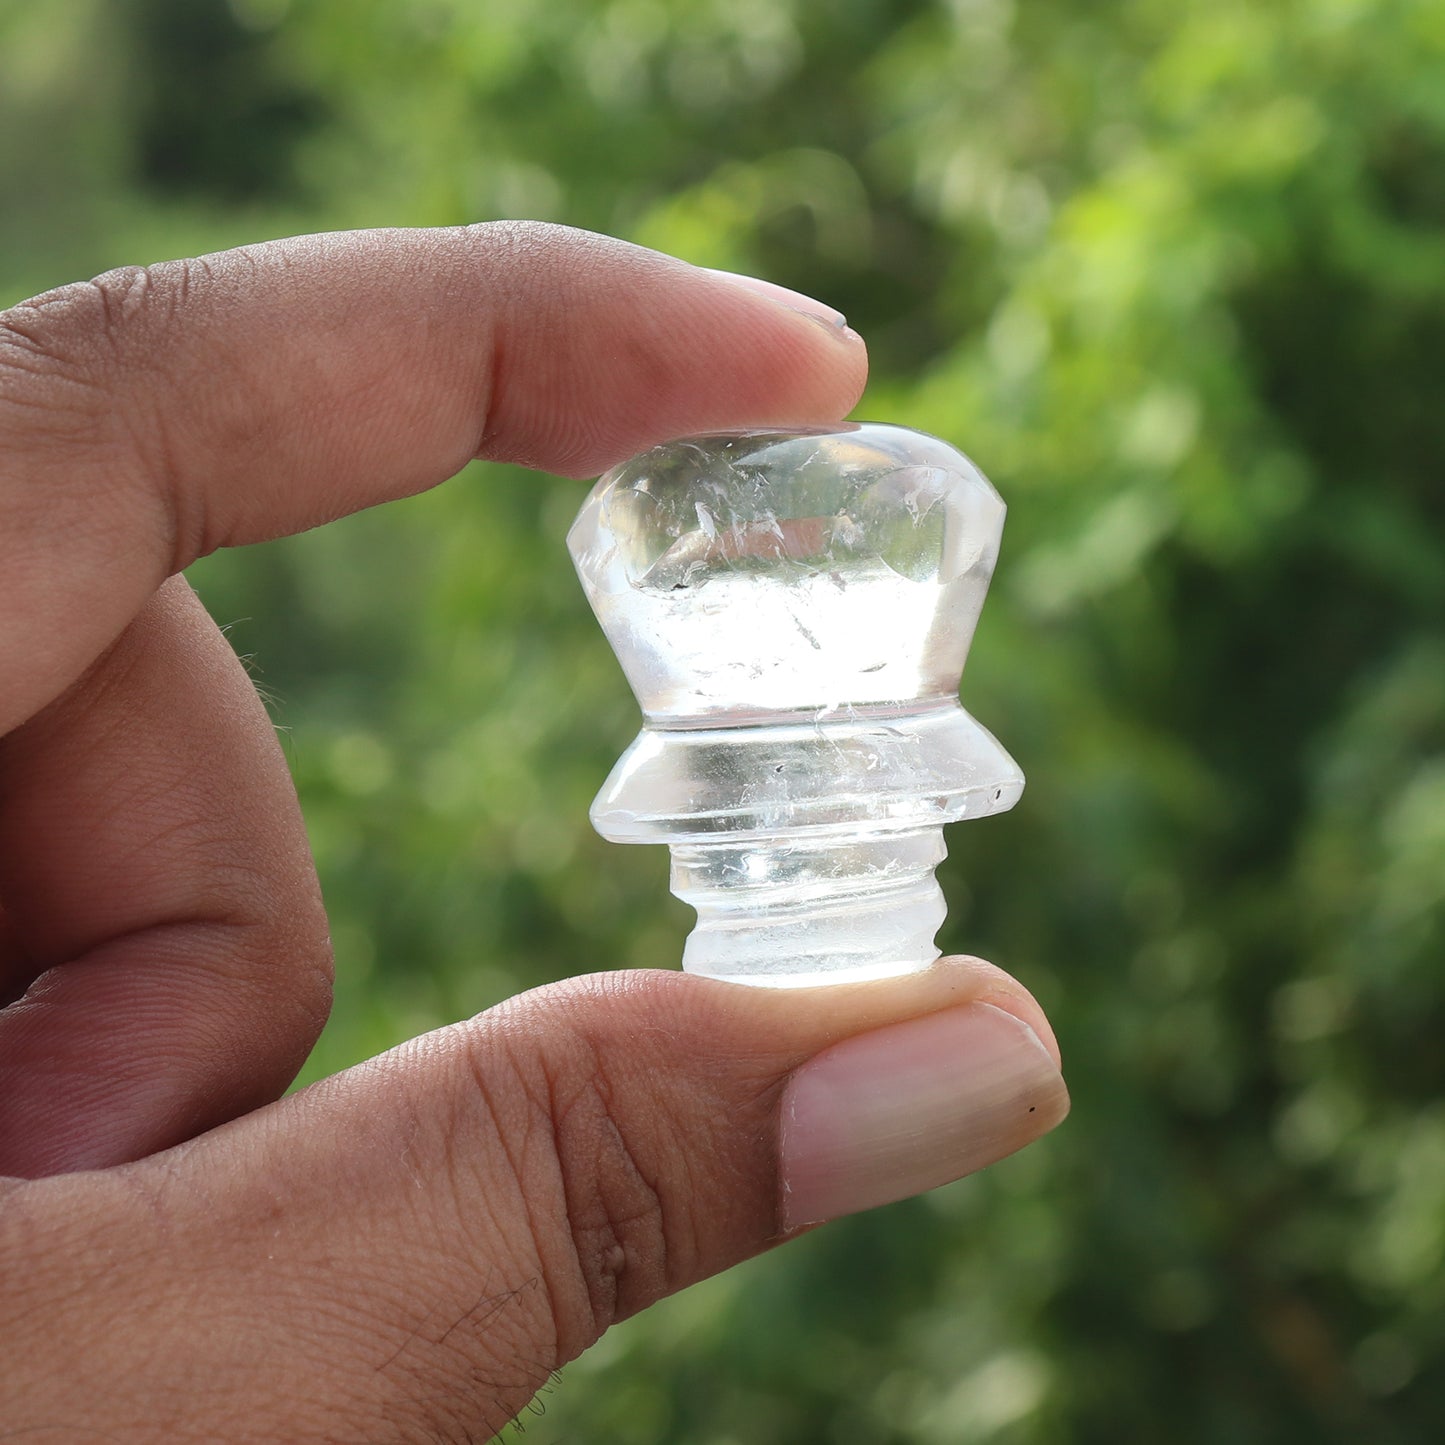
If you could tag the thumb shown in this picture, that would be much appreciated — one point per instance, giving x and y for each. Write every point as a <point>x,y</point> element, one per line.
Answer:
<point>415,1244</point>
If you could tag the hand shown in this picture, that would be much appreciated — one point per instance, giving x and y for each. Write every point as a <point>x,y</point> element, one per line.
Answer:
<point>405,1250</point>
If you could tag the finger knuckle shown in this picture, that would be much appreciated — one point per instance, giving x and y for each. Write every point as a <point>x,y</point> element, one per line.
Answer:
<point>76,332</point>
<point>613,1199</point>
<point>51,364</point>
<point>585,1153</point>
<point>75,361</point>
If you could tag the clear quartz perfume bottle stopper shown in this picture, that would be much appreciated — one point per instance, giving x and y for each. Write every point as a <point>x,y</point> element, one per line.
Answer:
<point>793,609</point>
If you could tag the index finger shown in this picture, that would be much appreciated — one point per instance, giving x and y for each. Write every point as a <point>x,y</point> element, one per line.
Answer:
<point>155,414</point>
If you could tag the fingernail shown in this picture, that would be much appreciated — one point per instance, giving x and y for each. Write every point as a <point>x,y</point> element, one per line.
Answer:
<point>794,300</point>
<point>906,1108</point>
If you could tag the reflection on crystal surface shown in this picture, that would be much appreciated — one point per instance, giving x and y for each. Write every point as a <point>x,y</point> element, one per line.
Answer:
<point>793,610</point>
<point>774,572</point>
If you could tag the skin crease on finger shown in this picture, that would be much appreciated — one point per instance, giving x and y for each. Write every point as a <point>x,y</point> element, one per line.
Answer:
<point>403,1251</point>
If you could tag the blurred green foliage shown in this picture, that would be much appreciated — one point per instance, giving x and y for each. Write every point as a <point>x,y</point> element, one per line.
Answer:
<point>1173,271</point>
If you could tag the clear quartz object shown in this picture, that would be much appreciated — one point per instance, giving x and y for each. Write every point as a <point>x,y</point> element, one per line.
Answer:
<point>793,609</point>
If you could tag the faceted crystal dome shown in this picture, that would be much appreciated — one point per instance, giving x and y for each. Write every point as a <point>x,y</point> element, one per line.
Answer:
<point>770,572</point>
